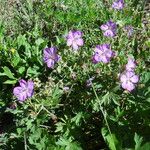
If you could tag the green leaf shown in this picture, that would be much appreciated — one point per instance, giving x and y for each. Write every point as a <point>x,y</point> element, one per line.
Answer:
<point>146,146</point>
<point>138,141</point>
<point>77,118</point>
<point>21,40</point>
<point>39,41</point>
<point>73,146</point>
<point>111,139</point>
<point>7,73</point>
<point>15,59</point>
<point>10,82</point>
<point>32,71</point>
<point>21,70</point>
<point>147,43</point>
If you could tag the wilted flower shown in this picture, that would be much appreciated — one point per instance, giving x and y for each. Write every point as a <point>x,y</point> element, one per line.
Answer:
<point>109,29</point>
<point>119,4</point>
<point>131,65</point>
<point>25,90</point>
<point>129,30</point>
<point>89,82</point>
<point>50,56</point>
<point>13,106</point>
<point>103,53</point>
<point>66,89</point>
<point>74,39</point>
<point>129,80</point>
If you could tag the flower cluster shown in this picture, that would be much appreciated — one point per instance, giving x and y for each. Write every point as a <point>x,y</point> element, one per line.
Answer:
<point>74,39</point>
<point>128,78</point>
<point>102,53</point>
<point>25,90</point>
<point>118,5</point>
<point>109,29</point>
<point>50,56</point>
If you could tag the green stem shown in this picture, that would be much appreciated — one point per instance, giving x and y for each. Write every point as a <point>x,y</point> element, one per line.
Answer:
<point>104,115</point>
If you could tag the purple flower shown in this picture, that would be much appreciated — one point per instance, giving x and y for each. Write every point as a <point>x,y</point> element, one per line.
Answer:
<point>50,56</point>
<point>118,5</point>
<point>74,39</point>
<point>25,90</point>
<point>103,53</point>
<point>131,65</point>
<point>129,80</point>
<point>129,30</point>
<point>109,29</point>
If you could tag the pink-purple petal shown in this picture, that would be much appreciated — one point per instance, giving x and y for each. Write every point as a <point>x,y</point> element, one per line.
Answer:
<point>50,63</point>
<point>77,34</point>
<point>123,78</point>
<point>135,79</point>
<point>22,96</point>
<point>128,86</point>
<point>22,83</point>
<point>109,33</point>
<point>80,42</point>
<point>69,42</point>
<point>75,46</point>
<point>74,39</point>
<point>17,90</point>
<point>104,27</point>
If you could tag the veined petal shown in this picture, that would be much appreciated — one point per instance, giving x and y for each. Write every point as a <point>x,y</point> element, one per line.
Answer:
<point>23,83</point>
<point>47,51</point>
<point>77,34</point>
<point>22,96</point>
<point>30,93</point>
<point>57,58</point>
<point>96,57</point>
<point>50,63</point>
<point>129,74</point>
<point>104,59</point>
<point>50,51</point>
<point>17,90</point>
<point>109,53</point>
<point>105,47</point>
<point>30,84</point>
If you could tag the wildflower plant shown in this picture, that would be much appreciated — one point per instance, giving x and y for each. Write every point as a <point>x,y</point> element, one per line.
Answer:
<point>74,75</point>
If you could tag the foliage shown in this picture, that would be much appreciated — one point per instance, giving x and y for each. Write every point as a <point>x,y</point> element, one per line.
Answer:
<point>64,113</point>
